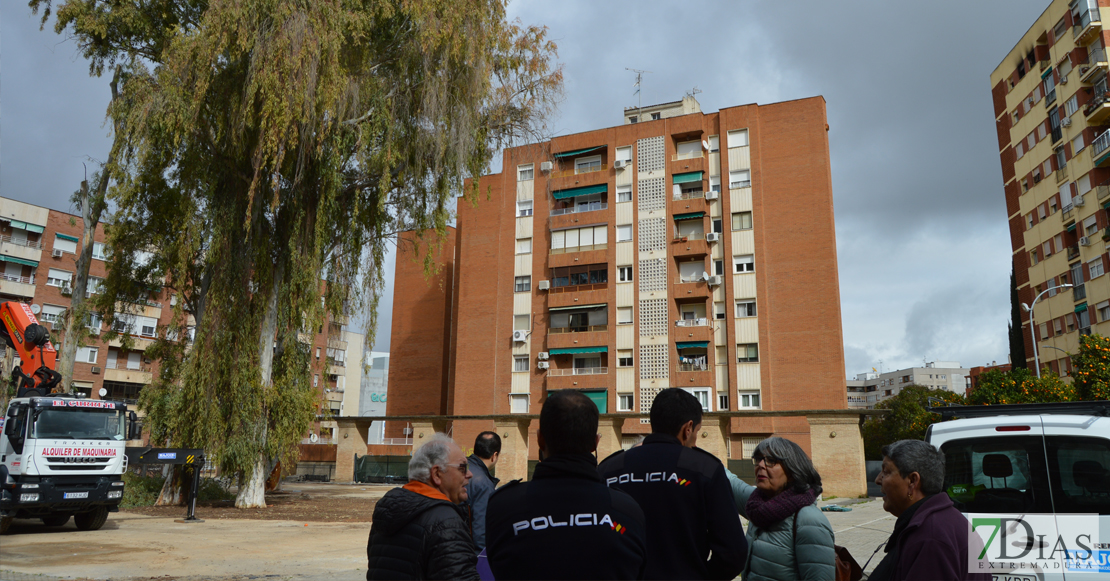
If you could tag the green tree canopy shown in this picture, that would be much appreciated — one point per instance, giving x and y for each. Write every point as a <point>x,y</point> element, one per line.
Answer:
<point>1092,368</point>
<point>907,419</point>
<point>1020,386</point>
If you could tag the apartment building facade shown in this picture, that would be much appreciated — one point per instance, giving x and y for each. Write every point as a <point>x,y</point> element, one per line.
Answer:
<point>38,261</point>
<point>1052,112</point>
<point>868,389</point>
<point>691,250</point>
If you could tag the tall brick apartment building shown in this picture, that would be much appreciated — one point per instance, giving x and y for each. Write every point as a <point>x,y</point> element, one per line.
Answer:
<point>680,249</point>
<point>1052,111</point>
<point>38,259</point>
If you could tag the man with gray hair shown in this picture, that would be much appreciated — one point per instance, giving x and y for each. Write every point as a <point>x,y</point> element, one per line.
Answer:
<point>419,531</point>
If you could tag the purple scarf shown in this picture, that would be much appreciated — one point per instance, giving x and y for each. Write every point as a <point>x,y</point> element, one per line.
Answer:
<point>765,512</point>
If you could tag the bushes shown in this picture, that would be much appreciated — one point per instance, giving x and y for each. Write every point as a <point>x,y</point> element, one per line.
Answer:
<point>1021,386</point>
<point>906,420</point>
<point>144,490</point>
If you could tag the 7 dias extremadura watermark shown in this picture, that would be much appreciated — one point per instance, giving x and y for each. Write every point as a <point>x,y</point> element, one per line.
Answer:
<point>1037,542</point>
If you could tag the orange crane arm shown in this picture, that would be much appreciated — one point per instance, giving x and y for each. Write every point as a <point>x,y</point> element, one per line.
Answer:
<point>21,331</point>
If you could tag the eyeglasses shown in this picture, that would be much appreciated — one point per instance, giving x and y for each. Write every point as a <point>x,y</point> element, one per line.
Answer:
<point>462,467</point>
<point>768,461</point>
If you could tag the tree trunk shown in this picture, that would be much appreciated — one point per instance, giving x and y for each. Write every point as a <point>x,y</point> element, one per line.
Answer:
<point>253,493</point>
<point>173,490</point>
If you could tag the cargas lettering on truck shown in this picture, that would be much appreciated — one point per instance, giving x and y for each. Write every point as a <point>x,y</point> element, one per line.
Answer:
<point>83,403</point>
<point>96,452</point>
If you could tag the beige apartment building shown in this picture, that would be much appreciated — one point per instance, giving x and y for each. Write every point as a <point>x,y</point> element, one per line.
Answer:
<point>1052,111</point>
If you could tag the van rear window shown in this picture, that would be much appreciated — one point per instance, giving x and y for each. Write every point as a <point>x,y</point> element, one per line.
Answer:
<point>1028,474</point>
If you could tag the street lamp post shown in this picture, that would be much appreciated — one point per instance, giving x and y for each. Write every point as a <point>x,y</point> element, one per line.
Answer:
<point>1033,324</point>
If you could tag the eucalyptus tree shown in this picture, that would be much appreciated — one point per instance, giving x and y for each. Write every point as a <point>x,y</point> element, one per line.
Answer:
<point>274,146</point>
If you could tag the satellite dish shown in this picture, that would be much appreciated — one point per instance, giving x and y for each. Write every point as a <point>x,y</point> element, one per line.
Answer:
<point>705,144</point>
<point>103,392</point>
<point>704,275</point>
<point>36,309</point>
<point>312,438</point>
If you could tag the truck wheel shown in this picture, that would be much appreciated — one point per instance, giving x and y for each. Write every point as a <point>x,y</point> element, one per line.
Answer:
<point>55,520</point>
<point>91,521</point>
<point>5,522</point>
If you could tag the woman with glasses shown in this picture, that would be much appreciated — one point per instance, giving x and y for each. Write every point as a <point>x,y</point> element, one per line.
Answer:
<point>788,536</point>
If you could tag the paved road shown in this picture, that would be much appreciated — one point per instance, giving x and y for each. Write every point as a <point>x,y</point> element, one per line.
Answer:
<point>132,545</point>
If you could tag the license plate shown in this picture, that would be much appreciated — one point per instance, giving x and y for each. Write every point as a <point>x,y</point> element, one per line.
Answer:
<point>1012,577</point>
<point>69,495</point>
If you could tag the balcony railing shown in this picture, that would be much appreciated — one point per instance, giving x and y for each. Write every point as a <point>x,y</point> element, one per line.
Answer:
<point>579,371</point>
<point>579,248</point>
<point>584,329</point>
<point>693,367</point>
<point>591,207</point>
<point>1061,174</point>
<point>688,279</point>
<point>578,287</point>
<point>22,279</point>
<point>682,156</point>
<point>1101,144</point>
<point>690,236</point>
<point>1085,331</point>
<point>1087,18</point>
<point>689,195</point>
<point>579,171</point>
<point>1098,100</point>
<point>1088,68</point>
<point>692,323</point>
<point>24,242</point>
<point>1103,190</point>
<point>123,365</point>
<point>320,441</point>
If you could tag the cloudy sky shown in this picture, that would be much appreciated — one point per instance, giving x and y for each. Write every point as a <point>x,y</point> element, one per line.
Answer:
<point>924,255</point>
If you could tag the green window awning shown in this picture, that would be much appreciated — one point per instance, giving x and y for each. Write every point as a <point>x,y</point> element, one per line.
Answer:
<point>1046,73</point>
<point>577,152</point>
<point>575,192</point>
<point>576,307</point>
<point>692,344</point>
<point>1071,227</point>
<point>67,237</point>
<point>690,216</point>
<point>575,350</point>
<point>1081,308</point>
<point>28,227</point>
<point>598,397</point>
<point>1106,205</point>
<point>23,261</point>
<point>692,176</point>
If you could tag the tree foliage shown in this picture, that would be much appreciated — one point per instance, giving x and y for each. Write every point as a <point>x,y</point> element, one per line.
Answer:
<point>907,418</point>
<point>1020,386</point>
<point>273,148</point>
<point>1092,368</point>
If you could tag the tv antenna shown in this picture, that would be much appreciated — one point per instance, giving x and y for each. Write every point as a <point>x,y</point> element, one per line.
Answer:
<point>693,91</point>
<point>639,99</point>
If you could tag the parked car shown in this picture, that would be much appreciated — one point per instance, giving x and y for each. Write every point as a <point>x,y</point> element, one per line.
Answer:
<point>1025,470</point>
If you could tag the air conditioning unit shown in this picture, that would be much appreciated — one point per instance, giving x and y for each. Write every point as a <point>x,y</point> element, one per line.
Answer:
<point>1064,80</point>
<point>94,330</point>
<point>546,166</point>
<point>57,253</point>
<point>520,336</point>
<point>1077,201</point>
<point>542,365</point>
<point>620,163</point>
<point>1084,241</point>
<point>711,195</point>
<point>96,370</point>
<point>544,284</point>
<point>1065,122</point>
<point>712,237</point>
<point>715,280</point>
<point>542,356</point>
<point>67,291</point>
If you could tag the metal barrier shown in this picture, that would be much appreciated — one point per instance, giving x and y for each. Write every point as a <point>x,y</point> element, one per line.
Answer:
<point>382,469</point>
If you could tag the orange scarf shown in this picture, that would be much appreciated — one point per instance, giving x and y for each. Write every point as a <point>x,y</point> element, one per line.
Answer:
<point>425,490</point>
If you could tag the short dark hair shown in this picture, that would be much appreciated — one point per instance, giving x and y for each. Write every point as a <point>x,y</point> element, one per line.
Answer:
<point>568,422</point>
<point>910,456</point>
<point>800,473</point>
<point>486,445</point>
<point>672,408</point>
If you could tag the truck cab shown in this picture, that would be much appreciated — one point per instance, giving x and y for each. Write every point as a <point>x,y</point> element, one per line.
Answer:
<point>63,456</point>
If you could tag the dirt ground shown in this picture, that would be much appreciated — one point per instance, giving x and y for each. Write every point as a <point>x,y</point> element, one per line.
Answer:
<point>308,531</point>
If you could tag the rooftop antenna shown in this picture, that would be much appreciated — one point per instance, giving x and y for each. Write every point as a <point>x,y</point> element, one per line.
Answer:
<point>692,92</point>
<point>639,78</point>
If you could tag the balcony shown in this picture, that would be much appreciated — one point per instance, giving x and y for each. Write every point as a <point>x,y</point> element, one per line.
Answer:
<point>1097,110</point>
<point>1103,190</point>
<point>687,367</point>
<point>691,288</point>
<point>702,322</point>
<point>20,249</point>
<point>690,245</point>
<point>1088,25</point>
<point>588,329</point>
<point>586,248</point>
<point>20,286</point>
<point>141,375</point>
<point>567,339</point>
<point>578,371</point>
<point>1061,174</point>
<point>578,171</point>
<point>1073,252</point>
<point>689,195</point>
<point>1100,150</point>
<point>591,207</point>
<point>1078,292</point>
<point>694,155</point>
<point>693,330</point>
<point>1096,62</point>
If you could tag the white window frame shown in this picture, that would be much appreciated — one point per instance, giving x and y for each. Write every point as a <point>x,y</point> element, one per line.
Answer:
<point>743,264</point>
<point>64,245</point>
<point>748,399</point>
<point>625,358</point>
<point>587,164</point>
<point>624,315</point>
<point>715,184</point>
<point>746,308</point>
<point>624,233</point>
<point>624,153</point>
<point>1103,310</point>
<point>737,138</point>
<point>747,357</point>
<point>722,401</point>
<point>520,364</point>
<point>93,286</point>
<point>524,246</point>
<point>525,281</point>
<point>51,313</point>
<point>100,251</point>
<point>525,173</point>
<point>53,278</point>
<point>624,193</point>
<point>87,354</point>
<point>624,402</point>
<point>714,143</point>
<point>523,208</point>
<point>624,273</point>
<point>703,396</point>
<point>740,178</point>
<point>1094,265</point>
<point>719,310</point>
<point>518,403</point>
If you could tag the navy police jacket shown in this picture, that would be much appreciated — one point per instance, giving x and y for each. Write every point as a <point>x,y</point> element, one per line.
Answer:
<point>564,524</point>
<point>687,499</point>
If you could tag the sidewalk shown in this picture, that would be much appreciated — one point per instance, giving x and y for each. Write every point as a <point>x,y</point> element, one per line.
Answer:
<point>862,530</point>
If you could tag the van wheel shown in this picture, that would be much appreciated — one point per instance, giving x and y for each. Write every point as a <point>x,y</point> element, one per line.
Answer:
<point>56,520</point>
<point>91,521</point>
<point>5,522</point>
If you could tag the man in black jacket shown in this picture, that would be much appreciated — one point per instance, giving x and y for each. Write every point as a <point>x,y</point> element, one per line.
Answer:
<point>565,523</point>
<point>419,531</point>
<point>487,449</point>
<point>685,494</point>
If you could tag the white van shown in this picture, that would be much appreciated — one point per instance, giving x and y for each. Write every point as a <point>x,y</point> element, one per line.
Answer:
<point>1034,481</point>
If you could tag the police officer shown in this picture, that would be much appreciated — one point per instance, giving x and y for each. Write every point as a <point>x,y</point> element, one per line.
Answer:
<point>685,494</point>
<point>565,523</point>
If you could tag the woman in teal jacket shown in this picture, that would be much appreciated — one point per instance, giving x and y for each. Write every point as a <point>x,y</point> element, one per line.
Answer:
<point>788,536</point>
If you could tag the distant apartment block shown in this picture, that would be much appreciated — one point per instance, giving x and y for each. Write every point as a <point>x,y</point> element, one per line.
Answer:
<point>1052,112</point>
<point>868,389</point>
<point>681,249</point>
